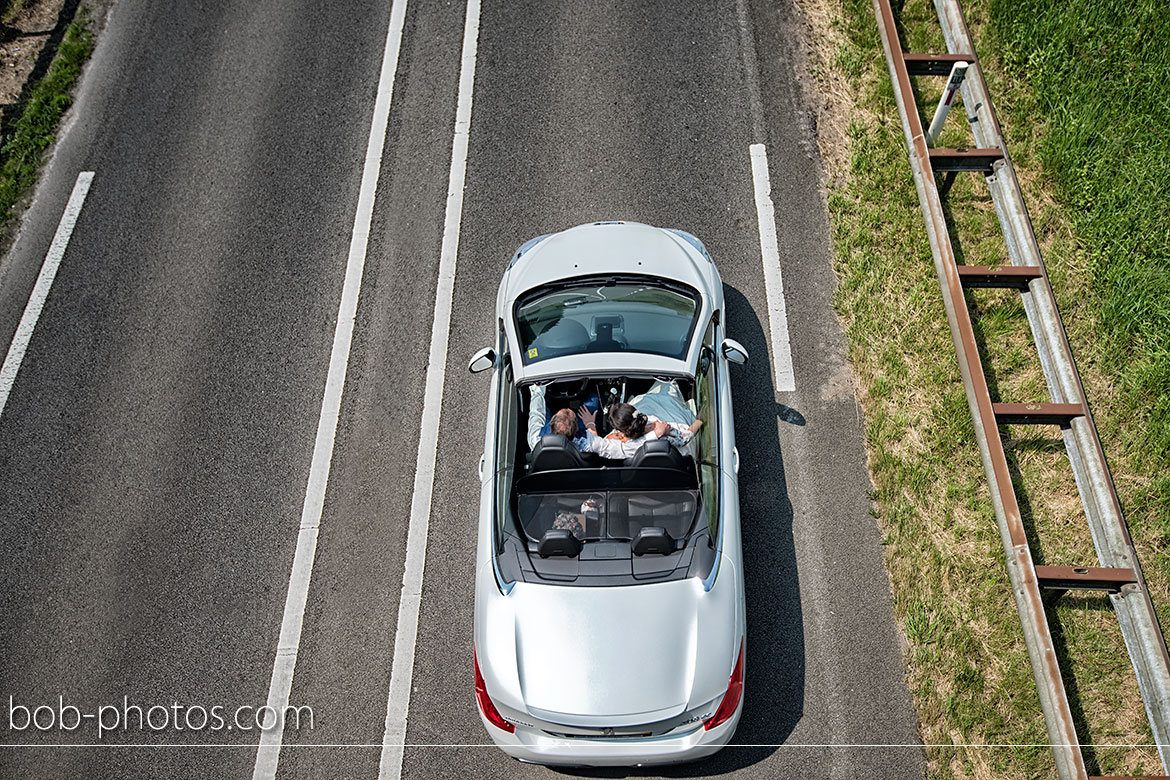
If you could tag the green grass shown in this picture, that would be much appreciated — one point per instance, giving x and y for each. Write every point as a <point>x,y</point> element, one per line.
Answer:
<point>967,665</point>
<point>35,129</point>
<point>1098,75</point>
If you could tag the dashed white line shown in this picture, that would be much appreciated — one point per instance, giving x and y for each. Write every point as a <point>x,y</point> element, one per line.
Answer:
<point>398,700</point>
<point>268,751</point>
<point>40,291</point>
<point>773,281</point>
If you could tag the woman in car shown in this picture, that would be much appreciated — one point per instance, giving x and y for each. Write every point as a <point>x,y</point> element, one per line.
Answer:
<point>630,430</point>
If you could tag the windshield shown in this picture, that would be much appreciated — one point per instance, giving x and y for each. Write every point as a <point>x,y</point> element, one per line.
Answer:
<point>606,316</point>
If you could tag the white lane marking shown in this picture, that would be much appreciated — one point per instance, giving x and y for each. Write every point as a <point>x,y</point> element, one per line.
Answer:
<point>40,291</point>
<point>398,699</point>
<point>773,282</point>
<point>268,751</point>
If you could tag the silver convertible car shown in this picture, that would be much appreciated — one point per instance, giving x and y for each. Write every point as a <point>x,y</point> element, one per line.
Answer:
<point>609,595</point>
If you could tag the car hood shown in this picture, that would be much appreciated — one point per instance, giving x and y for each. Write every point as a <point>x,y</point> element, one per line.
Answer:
<point>607,656</point>
<point>613,247</point>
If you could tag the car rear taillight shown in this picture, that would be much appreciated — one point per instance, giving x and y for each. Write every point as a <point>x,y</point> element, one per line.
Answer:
<point>731,698</point>
<point>485,702</point>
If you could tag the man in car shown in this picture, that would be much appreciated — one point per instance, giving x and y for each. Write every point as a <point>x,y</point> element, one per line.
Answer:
<point>564,422</point>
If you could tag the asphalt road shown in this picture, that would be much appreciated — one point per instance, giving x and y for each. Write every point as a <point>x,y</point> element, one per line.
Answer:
<point>156,445</point>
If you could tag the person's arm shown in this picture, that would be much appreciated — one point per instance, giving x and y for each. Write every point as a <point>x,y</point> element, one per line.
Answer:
<point>611,449</point>
<point>606,448</point>
<point>537,414</point>
<point>682,434</point>
<point>588,421</point>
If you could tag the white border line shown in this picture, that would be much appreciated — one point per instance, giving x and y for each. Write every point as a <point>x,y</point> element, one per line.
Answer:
<point>40,291</point>
<point>773,282</point>
<point>268,751</point>
<point>398,699</point>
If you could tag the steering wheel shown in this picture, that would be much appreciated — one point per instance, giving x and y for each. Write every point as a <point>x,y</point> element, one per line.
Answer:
<point>567,390</point>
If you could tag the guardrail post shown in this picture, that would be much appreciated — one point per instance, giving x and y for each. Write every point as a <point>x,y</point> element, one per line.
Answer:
<point>958,73</point>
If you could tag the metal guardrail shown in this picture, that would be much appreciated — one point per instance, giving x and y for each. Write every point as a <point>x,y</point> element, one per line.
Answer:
<point>1119,573</point>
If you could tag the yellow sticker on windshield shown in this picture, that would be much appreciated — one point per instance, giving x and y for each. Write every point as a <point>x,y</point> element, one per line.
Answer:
<point>532,352</point>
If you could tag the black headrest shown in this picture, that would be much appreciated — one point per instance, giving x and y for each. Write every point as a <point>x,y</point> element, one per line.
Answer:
<point>558,541</point>
<point>555,452</point>
<point>658,453</point>
<point>652,539</point>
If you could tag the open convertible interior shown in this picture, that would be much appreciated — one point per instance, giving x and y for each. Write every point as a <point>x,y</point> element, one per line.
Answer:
<point>572,517</point>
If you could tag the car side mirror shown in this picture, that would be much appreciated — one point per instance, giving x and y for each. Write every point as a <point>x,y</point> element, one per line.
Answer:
<point>734,351</point>
<point>482,360</point>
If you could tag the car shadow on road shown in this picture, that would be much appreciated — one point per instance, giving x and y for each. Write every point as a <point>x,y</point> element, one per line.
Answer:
<point>774,686</point>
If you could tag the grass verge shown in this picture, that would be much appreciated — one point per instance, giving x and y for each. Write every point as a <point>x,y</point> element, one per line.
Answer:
<point>34,131</point>
<point>1097,216</point>
<point>1097,78</point>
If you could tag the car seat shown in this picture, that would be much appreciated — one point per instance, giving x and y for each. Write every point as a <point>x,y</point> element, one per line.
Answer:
<point>661,454</point>
<point>555,452</point>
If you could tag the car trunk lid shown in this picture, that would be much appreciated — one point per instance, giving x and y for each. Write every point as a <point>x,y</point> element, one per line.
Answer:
<point>602,657</point>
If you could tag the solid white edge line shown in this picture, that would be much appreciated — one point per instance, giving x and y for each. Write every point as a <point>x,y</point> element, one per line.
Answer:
<point>40,291</point>
<point>773,281</point>
<point>406,634</point>
<point>280,686</point>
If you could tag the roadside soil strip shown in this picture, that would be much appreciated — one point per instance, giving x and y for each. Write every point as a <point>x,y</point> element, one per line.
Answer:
<point>21,43</point>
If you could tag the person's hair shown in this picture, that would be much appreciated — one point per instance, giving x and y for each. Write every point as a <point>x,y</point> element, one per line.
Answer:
<point>564,423</point>
<point>628,420</point>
